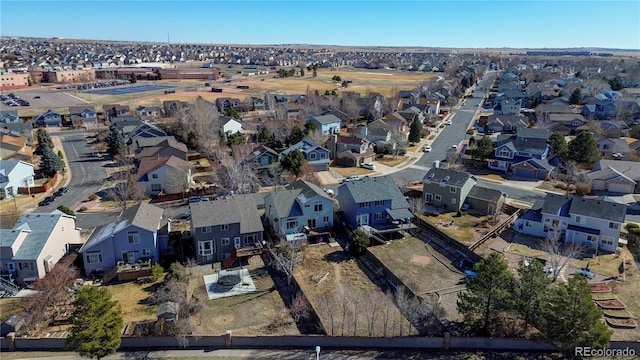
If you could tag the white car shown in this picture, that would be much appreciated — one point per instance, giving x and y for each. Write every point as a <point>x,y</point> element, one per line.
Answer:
<point>369,166</point>
<point>426,149</point>
<point>351,178</point>
<point>448,122</point>
<point>454,146</point>
<point>329,192</point>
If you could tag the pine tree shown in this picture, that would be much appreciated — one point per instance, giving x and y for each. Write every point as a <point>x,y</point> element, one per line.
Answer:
<point>484,148</point>
<point>558,145</point>
<point>97,323</point>
<point>415,131</point>
<point>576,97</point>
<point>50,162</point>
<point>115,143</point>
<point>44,141</point>
<point>293,162</point>
<point>531,292</point>
<point>295,136</point>
<point>583,149</point>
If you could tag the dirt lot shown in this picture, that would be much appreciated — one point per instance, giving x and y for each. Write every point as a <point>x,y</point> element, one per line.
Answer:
<point>467,228</point>
<point>339,290</point>
<point>424,270</point>
<point>260,313</point>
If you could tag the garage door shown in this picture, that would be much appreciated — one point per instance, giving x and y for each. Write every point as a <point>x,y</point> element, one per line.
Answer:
<point>524,172</point>
<point>620,188</point>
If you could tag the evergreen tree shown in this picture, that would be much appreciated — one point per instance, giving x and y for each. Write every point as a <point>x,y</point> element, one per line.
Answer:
<point>531,292</point>
<point>97,323</point>
<point>358,242</point>
<point>488,294</point>
<point>415,131</point>
<point>132,78</point>
<point>572,319</point>
<point>293,162</point>
<point>50,162</point>
<point>583,149</point>
<point>264,137</point>
<point>484,148</point>
<point>558,145</point>
<point>616,84</point>
<point>44,141</point>
<point>576,97</point>
<point>295,136</point>
<point>302,72</point>
<point>115,143</point>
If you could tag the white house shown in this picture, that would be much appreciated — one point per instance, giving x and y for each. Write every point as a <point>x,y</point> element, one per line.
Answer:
<point>327,124</point>
<point>594,223</point>
<point>232,126</point>
<point>14,174</point>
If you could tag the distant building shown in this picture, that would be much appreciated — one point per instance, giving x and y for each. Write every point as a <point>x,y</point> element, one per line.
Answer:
<point>14,81</point>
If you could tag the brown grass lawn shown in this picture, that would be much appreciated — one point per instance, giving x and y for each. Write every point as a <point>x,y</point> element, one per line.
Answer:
<point>131,297</point>
<point>8,307</point>
<point>388,160</point>
<point>462,228</point>
<point>347,171</point>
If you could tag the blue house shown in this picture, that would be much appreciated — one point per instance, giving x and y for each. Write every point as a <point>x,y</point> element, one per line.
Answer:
<point>134,236</point>
<point>328,124</point>
<point>48,118</point>
<point>316,155</point>
<point>523,155</point>
<point>376,202</point>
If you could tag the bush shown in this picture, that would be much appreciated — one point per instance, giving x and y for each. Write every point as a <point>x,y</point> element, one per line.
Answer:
<point>572,187</point>
<point>470,132</point>
<point>561,186</point>
<point>157,272</point>
<point>66,210</point>
<point>632,226</point>
<point>93,197</point>
<point>583,188</point>
<point>634,231</point>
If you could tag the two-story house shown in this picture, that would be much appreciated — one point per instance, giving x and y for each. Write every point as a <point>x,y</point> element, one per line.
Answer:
<point>49,118</point>
<point>9,117</point>
<point>399,127</point>
<point>126,124</point>
<point>138,234</point>
<point>225,104</point>
<point>316,155</point>
<point>327,124</point>
<point>175,108</point>
<point>36,243</point>
<point>447,189</point>
<point>564,123</point>
<point>169,175</point>
<point>14,146</point>
<point>83,116</point>
<point>508,106</point>
<point>221,227</point>
<point>505,123</point>
<point>13,175</point>
<point>350,150</point>
<point>168,147</point>
<point>522,155</point>
<point>261,158</point>
<point>617,176</point>
<point>112,111</point>
<point>593,223</point>
<point>301,207</point>
<point>607,147</point>
<point>376,202</point>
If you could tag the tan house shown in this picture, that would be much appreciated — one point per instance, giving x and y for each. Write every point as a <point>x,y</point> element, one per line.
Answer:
<point>36,243</point>
<point>15,147</point>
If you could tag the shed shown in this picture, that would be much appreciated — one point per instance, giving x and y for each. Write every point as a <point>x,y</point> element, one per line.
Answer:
<point>168,311</point>
<point>12,324</point>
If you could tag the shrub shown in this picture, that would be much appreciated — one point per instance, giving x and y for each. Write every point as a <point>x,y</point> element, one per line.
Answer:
<point>66,210</point>
<point>583,188</point>
<point>561,185</point>
<point>634,231</point>
<point>632,226</point>
<point>470,132</point>
<point>459,213</point>
<point>157,271</point>
<point>93,197</point>
<point>572,187</point>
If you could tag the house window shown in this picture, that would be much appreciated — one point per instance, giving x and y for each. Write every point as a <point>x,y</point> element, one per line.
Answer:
<point>578,219</point>
<point>292,224</point>
<point>225,241</point>
<point>206,229</point>
<point>250,239</point>
<point>437,197</point>
<point>317,207</point>
<point>146,252</point>
<point>156,187</point>
<point>503,153</point>
<point>592,238</point>
<point>206,248</point>
<point>325,219</point>
<point>378,216</point>
<point>323,155</point>
<point>312,156</point>
<point>133,237</point>
<point>453,201</point>
<point>224,227</point>
<point>613,225</point>
<point>94,257</point>
<point>364,204</point>
<point>26,266</point>
<point>607,240</point>
<point>452,189</point>
<point>527,223</point>
<point>379,202</point>
<point>154,176</point>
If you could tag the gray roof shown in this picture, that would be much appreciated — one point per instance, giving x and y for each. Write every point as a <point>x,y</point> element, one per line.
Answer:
<point>483,193</point>
<point>143,215</point>
<point>285,201</point>
<point>238,209</point>
<point>455,178</point>
<point>375,188</point>
<point>9,236</point>
<point>533,146</point>
<point>152,141</point>
<point>598,208</point>
<point>40,226</point>
<point>553,203</point>
<point>327,119</point>
<point>631,169</point>
<point>533,133</point>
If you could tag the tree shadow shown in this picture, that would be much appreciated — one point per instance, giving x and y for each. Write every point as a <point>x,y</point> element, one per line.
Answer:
<point>338,257</point>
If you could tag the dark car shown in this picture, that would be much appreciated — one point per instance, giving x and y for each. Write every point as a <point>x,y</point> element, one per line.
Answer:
<point>63,190</point>
<point>48,200</point>
<point>36,97</point>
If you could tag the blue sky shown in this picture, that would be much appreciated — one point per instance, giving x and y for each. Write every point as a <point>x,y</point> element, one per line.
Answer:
<point>462,24</point>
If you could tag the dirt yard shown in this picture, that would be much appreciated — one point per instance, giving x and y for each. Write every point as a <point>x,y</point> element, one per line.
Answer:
<point>260,313</point>
<point>424,270</point>
<point>346,300</point>
<point>467,228</point>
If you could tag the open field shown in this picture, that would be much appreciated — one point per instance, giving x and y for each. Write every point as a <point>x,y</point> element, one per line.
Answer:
<point>344,297</point>
<point>260,313</point>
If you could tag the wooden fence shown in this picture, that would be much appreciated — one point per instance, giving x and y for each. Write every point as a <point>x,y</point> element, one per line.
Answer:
<point>39,189</point>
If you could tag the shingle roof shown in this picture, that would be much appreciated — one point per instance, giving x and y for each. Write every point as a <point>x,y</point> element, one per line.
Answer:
<point>375,189</point>
<point>40,226</point>
<point>533,133</point>
<point>455,178</point>
<point>598,208</point>
<point>238,209</point>
<point>483,193</point>
<point>327,119</point>
<point>148,164</point>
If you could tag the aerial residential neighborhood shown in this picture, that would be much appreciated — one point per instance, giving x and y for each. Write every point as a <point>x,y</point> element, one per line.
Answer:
<point>354,197</point>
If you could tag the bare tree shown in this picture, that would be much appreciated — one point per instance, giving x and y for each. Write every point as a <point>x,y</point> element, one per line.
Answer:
<point>125,189</point>
<point>559,252</point>
<point>399,140</point>
<point>203,119</point>
<point>372,304</point>
<point>571,173</point>
<point>284,257</point>
<point>317,137</point>
<point>177,182</point>
<point>326,302</point>
<point>173,293</point>
<point>234,174</point>
<point>344,299</point>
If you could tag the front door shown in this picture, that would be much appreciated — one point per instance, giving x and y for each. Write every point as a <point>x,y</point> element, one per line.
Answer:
<point>364,219</point>
<point>10,267</point>
<point>428,198</point>
<point>131,257</point>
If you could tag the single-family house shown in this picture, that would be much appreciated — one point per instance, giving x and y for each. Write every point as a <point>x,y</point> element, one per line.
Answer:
<point>599,109</point>
<point>168,147</point>
<point>138,234</point>
<point>261,158</point>
<point>434,105</point>
<point>316,155</point>
<point>49,118</point>
<point>505,123</point>
<point>173,108</point>
<point>231,126</point>
<point>20,129</point>
<point>116,110</point>
<point>508,107</point>
<point>613,129</point>
<point>254,103</point>
<point>221,227</point>
<point>36,243</point>
<point>350,150</point>
<point>148,112</point>
<point>272,101</point>
<point>593,223</point>
<point>145,130</point>
<point>399,127</point>
<point>376,202</point>
<point>328,124</point>
<point>302,208</point>
<point>83,116</point>
<point>564,123</point>
<point>13,175</point>
<point>522,156</point>
<point>126,124</point>
<point>607,147</point>
<point>9,117</point>
<point>617,176</point>
<point>14,146</point>
<point>225,104</point>
<point>168,175</point>
<point>447,189</point>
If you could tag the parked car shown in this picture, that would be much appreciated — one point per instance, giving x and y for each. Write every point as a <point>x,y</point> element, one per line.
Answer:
<point>454,146</point>
<point>426,149</point>
<point>586,273</point>
<point>96,154</point>
<point>449,122</point>
<point>369,166</point>
<point>63,190</point>
<point>36,97</point>
<point>48,200</point>
<point>185,215</point>
<point>618,156</point>
<point>329,192</point>
<point>351,178</point>
<point>195,199</point>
